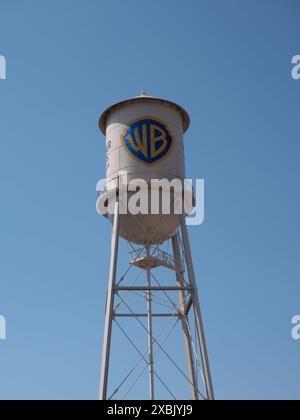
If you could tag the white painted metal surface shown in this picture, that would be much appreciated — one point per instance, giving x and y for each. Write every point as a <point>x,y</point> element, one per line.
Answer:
<point>167,121</point>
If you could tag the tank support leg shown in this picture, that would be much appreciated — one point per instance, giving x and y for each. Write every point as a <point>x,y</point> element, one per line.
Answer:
<point>110,305</point>
<point>150,331</point>
<point>185,321</point>
<point>196,302</point>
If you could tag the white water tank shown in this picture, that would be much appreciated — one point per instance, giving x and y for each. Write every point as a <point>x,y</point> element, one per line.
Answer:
<point>144,139</point>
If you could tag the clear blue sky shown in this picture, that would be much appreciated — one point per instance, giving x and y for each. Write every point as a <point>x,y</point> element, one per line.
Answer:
<point>228,64</point>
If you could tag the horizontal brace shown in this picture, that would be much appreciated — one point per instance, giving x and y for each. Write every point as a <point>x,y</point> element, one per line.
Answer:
<point>146,315</point>
<point>152,289</point>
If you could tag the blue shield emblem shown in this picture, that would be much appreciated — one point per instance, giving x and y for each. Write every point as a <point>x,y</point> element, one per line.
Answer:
<point>148,140</point>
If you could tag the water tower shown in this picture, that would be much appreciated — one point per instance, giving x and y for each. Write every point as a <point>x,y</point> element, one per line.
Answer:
<point>144,141</point>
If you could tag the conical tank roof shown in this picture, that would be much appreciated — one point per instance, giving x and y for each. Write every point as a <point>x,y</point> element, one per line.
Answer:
<point>144,98</point>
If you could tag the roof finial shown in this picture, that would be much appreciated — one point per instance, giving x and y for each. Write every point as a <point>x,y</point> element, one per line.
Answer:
<point>143,93</point>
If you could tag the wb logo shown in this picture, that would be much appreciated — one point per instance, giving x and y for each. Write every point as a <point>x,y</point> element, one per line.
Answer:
<point>148,141</point>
